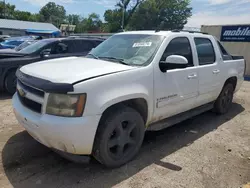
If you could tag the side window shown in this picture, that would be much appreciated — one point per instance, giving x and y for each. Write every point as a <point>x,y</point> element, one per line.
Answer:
<point>97,42</point>
<point>80,46</point>
<point>87,46</point>
<point>205,51</point>
<point>224,53</point>
<point>48,47</point>
<point>73,46</point>
<point>179,46</point>
<point>60,48</point>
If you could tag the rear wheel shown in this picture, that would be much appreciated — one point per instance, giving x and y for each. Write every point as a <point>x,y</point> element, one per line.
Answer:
<point>224,101</point>
<point>119,136</point>
<point>10,82</point>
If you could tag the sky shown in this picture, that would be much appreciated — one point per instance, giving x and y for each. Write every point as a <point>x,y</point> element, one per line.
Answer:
<point>205,12</point>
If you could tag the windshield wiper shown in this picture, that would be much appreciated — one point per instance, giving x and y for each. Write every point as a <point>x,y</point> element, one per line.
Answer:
<point>119,60</point>
<point>93,56</point>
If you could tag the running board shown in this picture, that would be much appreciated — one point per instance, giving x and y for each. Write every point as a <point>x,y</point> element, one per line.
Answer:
<point>162,124</point>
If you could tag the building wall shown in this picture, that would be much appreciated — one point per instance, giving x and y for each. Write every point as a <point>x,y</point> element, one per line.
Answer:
<point>235,48</point>
<point>12,32</point>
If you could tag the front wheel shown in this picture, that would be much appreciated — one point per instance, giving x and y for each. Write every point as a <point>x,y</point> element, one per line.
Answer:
<point>119,136</point>
<point>224,101</point>
<point>10,82</point>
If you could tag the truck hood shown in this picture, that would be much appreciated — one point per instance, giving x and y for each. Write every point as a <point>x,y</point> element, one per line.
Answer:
<point>72,69</point>
<point>7,50</point>
<point>7,53</point>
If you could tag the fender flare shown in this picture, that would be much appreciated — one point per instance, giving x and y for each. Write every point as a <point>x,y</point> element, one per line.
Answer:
<point>123,98</point>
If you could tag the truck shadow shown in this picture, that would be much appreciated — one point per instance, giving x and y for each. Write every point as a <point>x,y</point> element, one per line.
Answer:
<point>28,164</point>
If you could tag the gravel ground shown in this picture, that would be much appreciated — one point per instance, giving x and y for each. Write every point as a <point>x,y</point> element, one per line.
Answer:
<point>207,151</point>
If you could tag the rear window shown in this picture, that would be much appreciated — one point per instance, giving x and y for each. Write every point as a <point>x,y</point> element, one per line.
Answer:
<point>224,53</point>
<point>205,51</point>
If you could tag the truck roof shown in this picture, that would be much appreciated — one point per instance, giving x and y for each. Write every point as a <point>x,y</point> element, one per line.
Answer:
<point>163,33</point>
<point>80,38</point>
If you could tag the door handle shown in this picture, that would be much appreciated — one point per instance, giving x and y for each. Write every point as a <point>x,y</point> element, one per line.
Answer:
<point>192,76</point>
<point>216,71</point>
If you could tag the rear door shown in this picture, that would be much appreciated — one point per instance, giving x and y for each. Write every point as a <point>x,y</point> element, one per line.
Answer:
<point>209,69</point>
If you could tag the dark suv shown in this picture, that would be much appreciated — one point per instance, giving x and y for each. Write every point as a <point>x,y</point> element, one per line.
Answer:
<point>41,50</point>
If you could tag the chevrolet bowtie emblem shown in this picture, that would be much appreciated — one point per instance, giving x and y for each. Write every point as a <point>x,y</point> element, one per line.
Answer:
<point>21,92</point>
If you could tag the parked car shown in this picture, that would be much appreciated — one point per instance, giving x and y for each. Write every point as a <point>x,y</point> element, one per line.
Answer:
<point>41,50</point>
<point>102,104</point>
<point>17,48</point>
<point>4,37</point>
<point>13,42</point>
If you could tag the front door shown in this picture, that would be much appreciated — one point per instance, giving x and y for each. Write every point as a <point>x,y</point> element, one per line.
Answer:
<point>177,89</point>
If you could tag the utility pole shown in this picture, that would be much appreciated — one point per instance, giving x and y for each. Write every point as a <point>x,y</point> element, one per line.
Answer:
<point>4,9</point>
<point>123,15</point>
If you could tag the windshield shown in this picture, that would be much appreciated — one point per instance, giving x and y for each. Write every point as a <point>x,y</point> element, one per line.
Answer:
<point>23,45</point>
<point>130,49</point>
<point>35,46</point>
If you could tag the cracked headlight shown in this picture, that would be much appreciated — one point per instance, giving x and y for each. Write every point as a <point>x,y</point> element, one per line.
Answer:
<point>69,105</point>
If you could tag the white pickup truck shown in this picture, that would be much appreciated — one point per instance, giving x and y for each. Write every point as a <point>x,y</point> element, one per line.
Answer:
<point>103,103</point>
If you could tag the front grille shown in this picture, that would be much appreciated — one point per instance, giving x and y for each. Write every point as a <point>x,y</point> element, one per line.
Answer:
<point>32,105</point>
<point>31,89</point>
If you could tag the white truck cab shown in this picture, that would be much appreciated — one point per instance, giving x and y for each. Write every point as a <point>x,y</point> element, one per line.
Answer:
<point>103,103</point>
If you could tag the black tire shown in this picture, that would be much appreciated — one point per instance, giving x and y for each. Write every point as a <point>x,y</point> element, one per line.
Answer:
<point>10,82</point>
<point>119,136</point>
<point>224,101</point>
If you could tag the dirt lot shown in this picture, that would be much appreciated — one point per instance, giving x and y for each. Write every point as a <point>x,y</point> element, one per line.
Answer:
<point>205,151</point>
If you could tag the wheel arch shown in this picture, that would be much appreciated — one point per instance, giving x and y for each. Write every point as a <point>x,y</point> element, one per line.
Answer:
<point>232,80</point>
<point>222,104</point>
<point>140,104</point>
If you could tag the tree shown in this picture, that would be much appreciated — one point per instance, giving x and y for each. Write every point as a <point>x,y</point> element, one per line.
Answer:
<point>113,18</point>
<point>129,7</point>
<point>7,10</point>
<point>92,23</point>
<point>73,19</point>
<point>36,17</point>
<point>23,15</point>
<point>161,14</point>
<point>53,13</point>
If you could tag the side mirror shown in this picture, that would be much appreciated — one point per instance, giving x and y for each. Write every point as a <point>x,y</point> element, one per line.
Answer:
<point>173,62</point>
<point>45,53</point>
<point>177,59</point>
